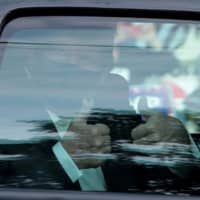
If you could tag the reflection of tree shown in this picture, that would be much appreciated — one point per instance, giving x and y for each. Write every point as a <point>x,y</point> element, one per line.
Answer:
<point>45,130</point>
<point>41,125</point>
<point>47,126</point>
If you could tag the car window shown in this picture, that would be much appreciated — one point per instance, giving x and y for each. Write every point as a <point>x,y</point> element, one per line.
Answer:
<point>100,104</point>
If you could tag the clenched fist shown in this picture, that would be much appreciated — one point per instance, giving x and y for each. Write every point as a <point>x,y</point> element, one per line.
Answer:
<point>168,144</point>
<point>160,129</point>
<point>92,140</point>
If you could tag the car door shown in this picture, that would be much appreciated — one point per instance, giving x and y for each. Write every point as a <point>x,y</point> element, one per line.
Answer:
<point>96,103</point>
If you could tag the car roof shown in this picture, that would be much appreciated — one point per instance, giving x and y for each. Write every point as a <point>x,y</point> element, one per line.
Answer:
<point>183,5</point>
<point>7,6</point>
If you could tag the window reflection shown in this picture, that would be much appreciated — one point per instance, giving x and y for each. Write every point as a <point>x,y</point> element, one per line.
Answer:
<point>121,98</point>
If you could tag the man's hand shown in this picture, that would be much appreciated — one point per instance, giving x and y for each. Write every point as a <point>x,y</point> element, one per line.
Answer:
<point>92,139</point>
<point>160,129</point>
<point>168,144</point>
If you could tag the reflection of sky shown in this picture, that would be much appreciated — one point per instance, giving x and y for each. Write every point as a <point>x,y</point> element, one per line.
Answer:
<point>75,36</point>
<point>36,77</point>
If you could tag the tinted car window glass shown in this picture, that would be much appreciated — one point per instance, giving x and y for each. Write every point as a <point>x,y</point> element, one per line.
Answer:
<point>100,104</point>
